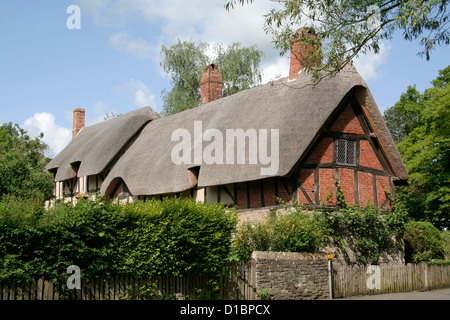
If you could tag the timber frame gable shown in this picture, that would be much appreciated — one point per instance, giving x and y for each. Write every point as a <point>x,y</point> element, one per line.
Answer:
<point>321,163</point>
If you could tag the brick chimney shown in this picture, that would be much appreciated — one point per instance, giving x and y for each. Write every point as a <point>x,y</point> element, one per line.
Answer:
<point>78,121</point>
<point>305,51</point>
<point>211,84</point>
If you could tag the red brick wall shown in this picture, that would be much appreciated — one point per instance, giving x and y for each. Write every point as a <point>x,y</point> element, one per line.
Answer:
<point>211,84</point>
<point>365,188</point>
<point>241,196</point>
<point>254,192</point>
<point>347,122</point>
<point>323,152</point>
<point>78,121</point>
<point>307,181</point>
<point>383,187</point>
<point>304,53</point>
<point>327,184</point>
<point>368,157</point>
<point>346,182</point>
<point>269,192</point>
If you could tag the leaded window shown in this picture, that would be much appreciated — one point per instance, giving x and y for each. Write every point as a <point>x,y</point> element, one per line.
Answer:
<point>346,152</point>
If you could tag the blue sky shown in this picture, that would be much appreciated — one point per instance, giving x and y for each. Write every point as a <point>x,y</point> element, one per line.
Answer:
<point>112,63</point>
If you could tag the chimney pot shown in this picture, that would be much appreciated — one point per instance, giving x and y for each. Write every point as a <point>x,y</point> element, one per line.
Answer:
<point>211,84</point>
<point>78,121</point>
<point>305,51</point>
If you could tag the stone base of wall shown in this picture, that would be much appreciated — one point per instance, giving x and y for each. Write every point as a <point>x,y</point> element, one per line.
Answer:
<point>395,256</point>
<point>255,215</point>
<point>291,275</point>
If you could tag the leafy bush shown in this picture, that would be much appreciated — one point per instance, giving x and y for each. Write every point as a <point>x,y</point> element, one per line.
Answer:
<point>446,239</point>
<point>437,262</point>
<point>175,237</point>
<point>169,237</point>
<point>367,232</point>
<point>291,231</point>
<point>425,241</point>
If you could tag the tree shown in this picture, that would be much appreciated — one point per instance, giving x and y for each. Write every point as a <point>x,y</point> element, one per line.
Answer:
<point>22,164</point>
<point>401,118</point>
<point>185,61</point>
<point>239,67</point>
<point>425,149</point>
<point>348,28</point>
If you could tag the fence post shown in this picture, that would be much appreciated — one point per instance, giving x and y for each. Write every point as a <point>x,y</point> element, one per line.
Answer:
<point>425,276</point>
<point>330,277</point>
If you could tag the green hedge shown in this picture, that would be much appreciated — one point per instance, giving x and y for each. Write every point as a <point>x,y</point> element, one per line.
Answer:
<point>169,237</point>
<point>424,240</point>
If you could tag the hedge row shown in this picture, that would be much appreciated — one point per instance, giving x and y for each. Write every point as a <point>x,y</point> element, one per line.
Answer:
<point>169,237</point>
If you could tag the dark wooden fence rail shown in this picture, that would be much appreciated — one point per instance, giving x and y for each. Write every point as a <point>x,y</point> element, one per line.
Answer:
<point>231,284</point>
<point>236,282</point>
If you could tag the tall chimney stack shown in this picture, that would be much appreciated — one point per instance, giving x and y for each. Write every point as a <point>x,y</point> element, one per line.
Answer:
<point>78,121</point>
<point>211,84</point>
<point>305,51</point>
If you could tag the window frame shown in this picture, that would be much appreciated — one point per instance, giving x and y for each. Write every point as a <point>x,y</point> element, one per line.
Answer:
<point>354,152</point>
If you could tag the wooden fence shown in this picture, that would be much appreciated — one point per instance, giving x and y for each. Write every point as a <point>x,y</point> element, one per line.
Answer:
<point>359,280</point>
<point>234,283</point>
<point>231,284</point>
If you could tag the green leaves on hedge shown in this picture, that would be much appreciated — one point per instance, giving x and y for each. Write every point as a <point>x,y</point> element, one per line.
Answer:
<point>169,237</point>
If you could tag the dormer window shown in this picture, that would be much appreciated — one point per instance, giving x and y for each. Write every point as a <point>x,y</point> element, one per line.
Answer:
<point>346,152</point>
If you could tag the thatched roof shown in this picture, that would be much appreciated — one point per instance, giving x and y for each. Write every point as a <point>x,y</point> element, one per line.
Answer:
<point>93,149</point>
<point>297,109</point>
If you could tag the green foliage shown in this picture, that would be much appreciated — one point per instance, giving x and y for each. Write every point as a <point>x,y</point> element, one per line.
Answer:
<point>425,240</point>
<point>239,67</point>
<point>402,117</point>
<point>446,244</point>
<point>264,294</point>
<point>291,231</point>
<point>348,28</point>
<point>185,61</point>
<point>22,164</point>
<point>169,237</point>
<point>438,263</point>
<point>366,232</point>
<point>175,237</point>
<point>425,149</point>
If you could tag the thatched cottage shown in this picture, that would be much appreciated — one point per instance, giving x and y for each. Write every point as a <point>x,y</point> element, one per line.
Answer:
<point>287,139</point>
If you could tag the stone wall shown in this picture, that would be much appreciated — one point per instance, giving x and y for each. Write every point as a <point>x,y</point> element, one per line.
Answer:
<point>291,275</point>
<point>393,257</point>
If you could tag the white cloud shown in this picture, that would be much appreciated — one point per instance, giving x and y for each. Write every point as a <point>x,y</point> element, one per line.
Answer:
<point>100,109</point>
<point>278,69</point>
<point>142,96</point>
<point>368,64</point>
<point>139,48</point>
<point>56,137</point>
<point>201,20</point>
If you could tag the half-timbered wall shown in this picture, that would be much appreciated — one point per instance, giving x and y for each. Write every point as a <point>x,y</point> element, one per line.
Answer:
<point>346,152</point>
<point>264,192</point>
